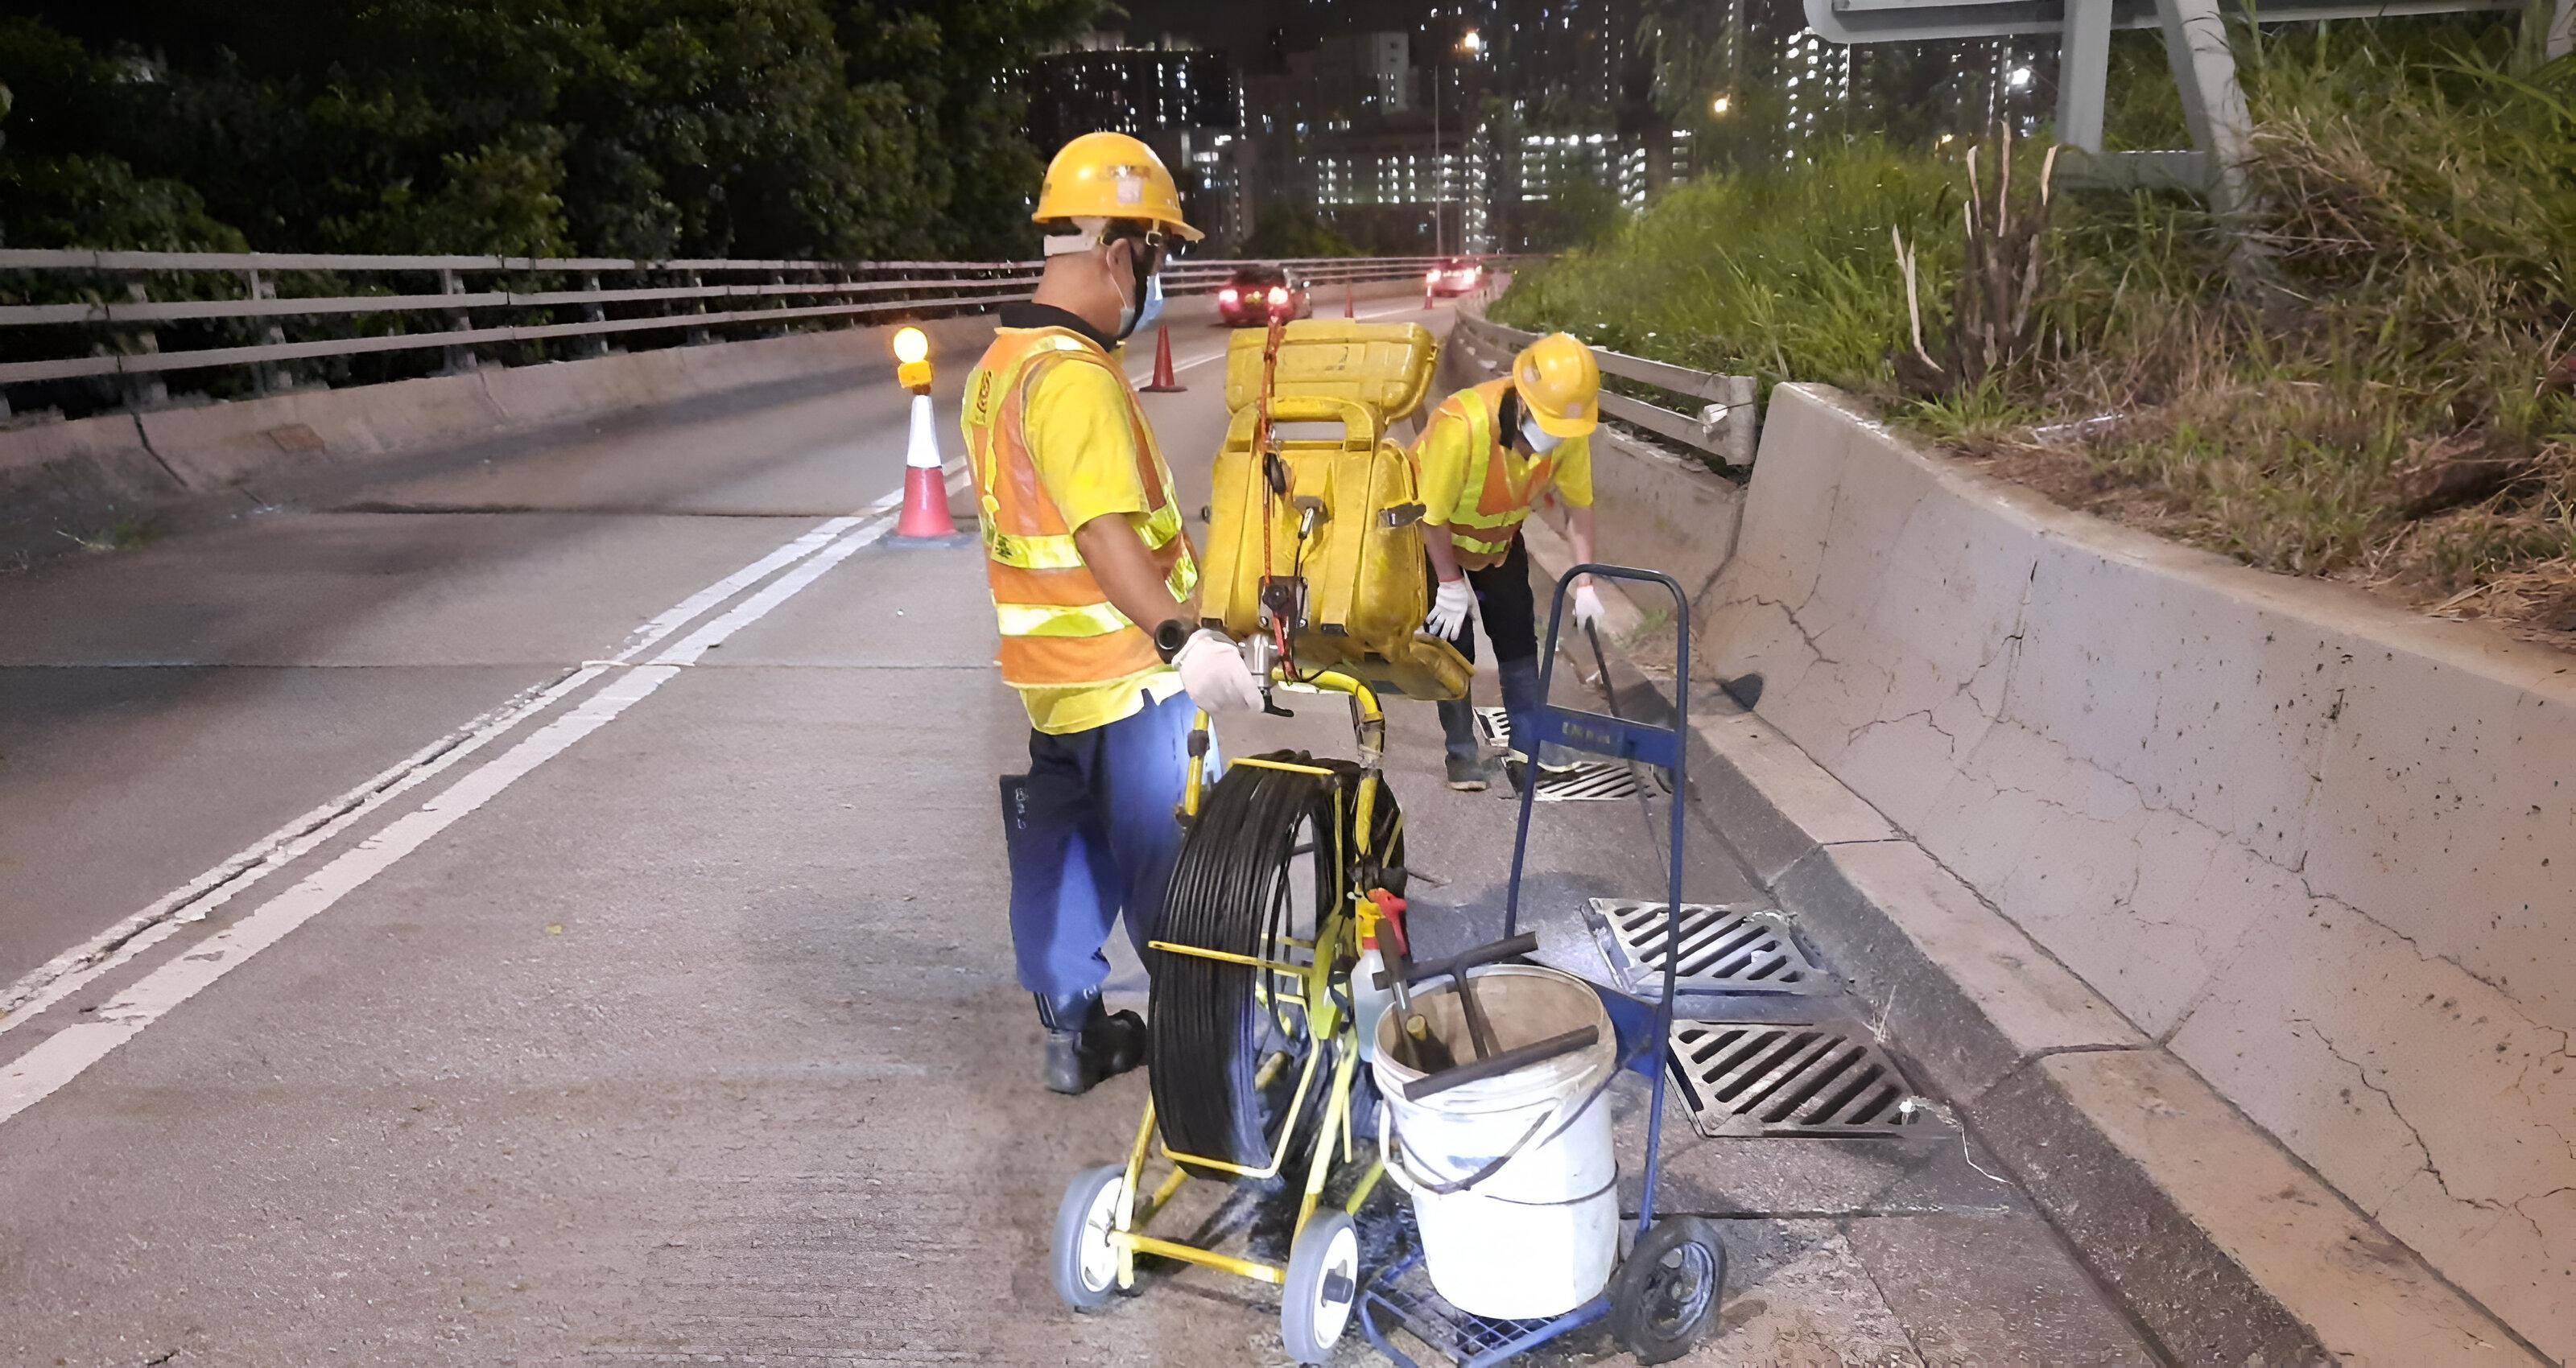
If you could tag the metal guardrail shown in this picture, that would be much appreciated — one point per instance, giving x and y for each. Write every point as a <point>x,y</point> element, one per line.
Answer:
<point>85,315</point>
<point>1723,425</point>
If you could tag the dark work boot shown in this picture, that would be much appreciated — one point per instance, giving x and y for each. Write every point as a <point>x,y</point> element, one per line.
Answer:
<point>1086,1043</point>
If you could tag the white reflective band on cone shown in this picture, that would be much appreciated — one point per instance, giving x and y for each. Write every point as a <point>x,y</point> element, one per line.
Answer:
<point>922,453</point>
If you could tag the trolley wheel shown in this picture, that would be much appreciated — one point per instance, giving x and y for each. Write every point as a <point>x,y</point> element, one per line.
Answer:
<point>1323,1286</point>
<point>1086,1264</point>
<point>1663,1299</point>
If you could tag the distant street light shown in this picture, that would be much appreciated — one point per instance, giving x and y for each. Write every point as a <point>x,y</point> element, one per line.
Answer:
<point>1721,105</point>
<point>2020,77</point>
<point>1472,43</point>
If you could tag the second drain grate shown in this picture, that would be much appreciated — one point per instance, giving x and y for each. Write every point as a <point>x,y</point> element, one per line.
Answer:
<point>1743,1078</point>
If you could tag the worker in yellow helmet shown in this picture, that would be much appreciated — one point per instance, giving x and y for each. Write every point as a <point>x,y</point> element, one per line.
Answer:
<point>1489,453</point>
<point>1095,587</point>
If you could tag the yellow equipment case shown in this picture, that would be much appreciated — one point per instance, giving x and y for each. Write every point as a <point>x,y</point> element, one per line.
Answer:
<point>1322,534</point>
<point>1386,366</point>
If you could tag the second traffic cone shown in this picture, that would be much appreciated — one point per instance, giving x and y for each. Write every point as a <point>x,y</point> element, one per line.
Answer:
<point>1349,310</point>
<point>1164,381</point>
<point>925,482</point>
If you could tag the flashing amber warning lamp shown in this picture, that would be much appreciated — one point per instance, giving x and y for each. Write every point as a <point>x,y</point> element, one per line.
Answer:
<point>912,359</point>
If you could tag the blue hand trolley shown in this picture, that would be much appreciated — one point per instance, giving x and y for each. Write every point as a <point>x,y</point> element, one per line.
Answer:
<point>1662,1300</point>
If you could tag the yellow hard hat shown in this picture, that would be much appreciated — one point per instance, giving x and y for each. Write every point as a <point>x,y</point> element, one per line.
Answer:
<point>1560,384</point>
<point>1113,176</point>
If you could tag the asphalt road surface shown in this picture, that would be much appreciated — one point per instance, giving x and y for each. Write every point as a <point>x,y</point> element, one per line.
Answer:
<point>546,907</point>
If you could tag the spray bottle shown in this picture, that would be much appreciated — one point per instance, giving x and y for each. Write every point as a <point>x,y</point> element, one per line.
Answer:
<point>1381,915</point>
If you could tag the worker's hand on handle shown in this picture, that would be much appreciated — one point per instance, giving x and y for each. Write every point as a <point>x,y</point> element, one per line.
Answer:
<point>1213,672</point>
<point>1449,608</point>
<point>1587,607</point>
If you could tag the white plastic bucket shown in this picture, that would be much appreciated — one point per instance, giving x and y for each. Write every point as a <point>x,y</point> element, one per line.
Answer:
<point>1539,1235</point>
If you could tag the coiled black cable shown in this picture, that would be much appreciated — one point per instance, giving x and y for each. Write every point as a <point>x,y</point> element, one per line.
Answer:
<point>1211,1024</point>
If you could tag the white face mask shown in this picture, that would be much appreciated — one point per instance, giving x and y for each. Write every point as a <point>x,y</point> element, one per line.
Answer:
<point>1541,442</point>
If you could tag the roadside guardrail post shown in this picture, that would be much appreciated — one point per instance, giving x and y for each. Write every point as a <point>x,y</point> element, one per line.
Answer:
<point>695,337</point>
<point>144,389</point>
<point>268,377</point>
<point>1743,394</point>
<point>460,359</point>
<point>593,313</point>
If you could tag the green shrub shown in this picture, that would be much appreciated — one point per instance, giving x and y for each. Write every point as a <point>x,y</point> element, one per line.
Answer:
<point>1784,275</point>
<point>2373,377</point>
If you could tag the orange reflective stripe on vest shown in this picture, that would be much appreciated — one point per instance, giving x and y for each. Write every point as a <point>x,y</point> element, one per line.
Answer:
<point>1484,534</point>
<point>1058,626</point>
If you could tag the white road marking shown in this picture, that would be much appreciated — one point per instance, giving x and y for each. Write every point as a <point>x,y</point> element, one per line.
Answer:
<point>117,946</point>
<point>63,1056</point>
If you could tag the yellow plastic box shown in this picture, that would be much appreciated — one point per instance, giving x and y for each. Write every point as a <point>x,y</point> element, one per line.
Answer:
<point>1345,526</point>
<point>1386,366</point>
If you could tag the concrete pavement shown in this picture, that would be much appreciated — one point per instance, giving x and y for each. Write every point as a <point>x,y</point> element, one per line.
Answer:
<point>670,1017</point>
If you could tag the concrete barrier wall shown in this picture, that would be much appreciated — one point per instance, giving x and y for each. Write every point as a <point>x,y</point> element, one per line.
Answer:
<point>2319,846</point>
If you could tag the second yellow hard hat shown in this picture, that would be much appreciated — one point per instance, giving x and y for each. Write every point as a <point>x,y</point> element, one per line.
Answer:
<point>1560,383</point>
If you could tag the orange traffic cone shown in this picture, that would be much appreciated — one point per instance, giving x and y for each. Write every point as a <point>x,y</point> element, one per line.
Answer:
<point>925,483</point>
<point>1349,310</point>
<point>1164,383</point>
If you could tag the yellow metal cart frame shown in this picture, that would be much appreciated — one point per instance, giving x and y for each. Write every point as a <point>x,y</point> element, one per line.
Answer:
<point>1313,988</point>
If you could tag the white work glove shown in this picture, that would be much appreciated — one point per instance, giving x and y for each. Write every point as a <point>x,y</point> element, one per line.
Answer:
<point>1449,609</point>
<point>1587,606</point>
<point>1213,672</point>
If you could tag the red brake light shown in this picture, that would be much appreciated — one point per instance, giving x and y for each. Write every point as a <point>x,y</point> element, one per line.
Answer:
<point>1432,275</point>
<point>1278,294</point>
<point>1227,294</point>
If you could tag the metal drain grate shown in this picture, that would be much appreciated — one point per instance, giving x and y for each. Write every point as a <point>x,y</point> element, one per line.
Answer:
<point>1590,781</point>
<point>1723,949</point>
<point>1584,781</point>
<point>1761,1078</point>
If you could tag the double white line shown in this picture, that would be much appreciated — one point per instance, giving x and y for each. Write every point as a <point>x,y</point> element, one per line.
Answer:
<point>61,1057</point>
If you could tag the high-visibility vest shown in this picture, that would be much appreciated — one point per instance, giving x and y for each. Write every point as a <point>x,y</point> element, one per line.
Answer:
<point>1482,535</point>
<point>1058,626</point>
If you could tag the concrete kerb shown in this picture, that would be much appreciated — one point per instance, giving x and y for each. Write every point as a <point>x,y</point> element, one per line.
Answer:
<point>2135,1159</point>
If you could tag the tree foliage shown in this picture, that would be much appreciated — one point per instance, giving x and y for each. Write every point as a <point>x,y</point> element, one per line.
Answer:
<point>645,128</point>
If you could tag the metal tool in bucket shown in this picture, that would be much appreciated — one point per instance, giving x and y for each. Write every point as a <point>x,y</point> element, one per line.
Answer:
<point>1663,1298</point>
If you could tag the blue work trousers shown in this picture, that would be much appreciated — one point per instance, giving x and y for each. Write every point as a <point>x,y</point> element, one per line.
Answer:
<point>1091,833</point>
<point>1510,613</point>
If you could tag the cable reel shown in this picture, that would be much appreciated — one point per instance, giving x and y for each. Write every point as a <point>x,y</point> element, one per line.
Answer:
<point>1273,855</point>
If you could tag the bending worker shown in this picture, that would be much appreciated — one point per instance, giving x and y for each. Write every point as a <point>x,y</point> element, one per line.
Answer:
<point>1096,589</point>
<point>1488,454</point>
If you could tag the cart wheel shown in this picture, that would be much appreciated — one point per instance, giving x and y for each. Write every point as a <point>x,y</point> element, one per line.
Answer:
<point>1323,1285</point>
<point>1086,1264</point>
<point>1663,1300</point>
